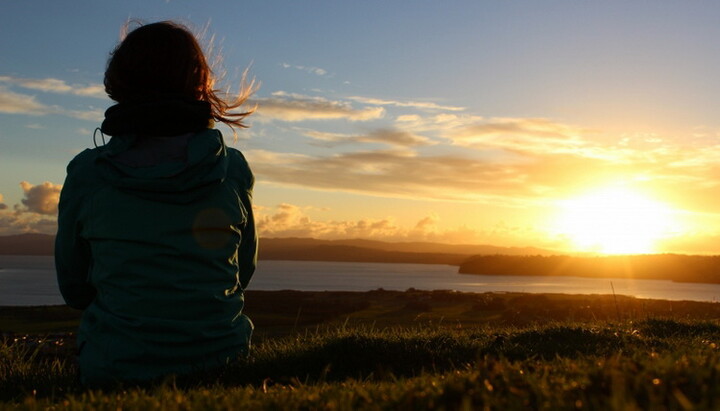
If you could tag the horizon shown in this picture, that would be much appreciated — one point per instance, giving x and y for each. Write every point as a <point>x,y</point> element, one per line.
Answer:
<point>576,127</point>
<point>543,251</point>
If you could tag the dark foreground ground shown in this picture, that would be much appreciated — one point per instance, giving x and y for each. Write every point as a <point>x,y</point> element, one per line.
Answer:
<point>283,313</point>
<point>407,350</point>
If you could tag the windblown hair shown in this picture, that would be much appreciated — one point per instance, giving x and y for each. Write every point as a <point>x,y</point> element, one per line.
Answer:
<point>164,60</point>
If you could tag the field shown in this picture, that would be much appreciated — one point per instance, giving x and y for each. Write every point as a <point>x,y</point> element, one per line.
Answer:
<point>407,350</point>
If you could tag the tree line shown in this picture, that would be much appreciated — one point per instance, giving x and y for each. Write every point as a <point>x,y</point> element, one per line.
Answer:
<point>675,267</point>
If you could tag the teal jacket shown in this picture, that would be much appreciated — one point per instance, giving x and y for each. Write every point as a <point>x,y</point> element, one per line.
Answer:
<point>157,255</point>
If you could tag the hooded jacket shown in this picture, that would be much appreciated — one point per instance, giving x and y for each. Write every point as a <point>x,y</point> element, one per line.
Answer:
<point>156,243</point>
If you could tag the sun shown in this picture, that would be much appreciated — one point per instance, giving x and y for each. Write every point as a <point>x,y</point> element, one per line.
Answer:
<point>614,220</point>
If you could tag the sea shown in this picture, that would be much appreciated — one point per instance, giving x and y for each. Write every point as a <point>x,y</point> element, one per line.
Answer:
<point>30,280</point>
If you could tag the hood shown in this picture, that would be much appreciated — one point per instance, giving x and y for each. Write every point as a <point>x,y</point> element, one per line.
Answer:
<point>177,180</point>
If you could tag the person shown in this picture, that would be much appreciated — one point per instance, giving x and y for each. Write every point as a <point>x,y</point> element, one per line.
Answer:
<point>156,240</point>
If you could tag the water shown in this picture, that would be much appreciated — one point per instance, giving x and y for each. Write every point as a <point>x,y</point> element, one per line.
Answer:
<point>30,280</point>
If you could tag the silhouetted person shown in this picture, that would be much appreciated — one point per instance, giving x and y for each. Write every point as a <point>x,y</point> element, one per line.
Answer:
<point>156,240</point>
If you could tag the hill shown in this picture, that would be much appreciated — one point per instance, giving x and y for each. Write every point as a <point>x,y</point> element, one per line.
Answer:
<point>357,250</point>
<point>413,350</point>
<point>309,249</point>
<point>674,267</point>
<point>27,244</point>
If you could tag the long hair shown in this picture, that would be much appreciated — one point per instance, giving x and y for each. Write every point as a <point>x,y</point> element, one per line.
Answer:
<point>164,60</point>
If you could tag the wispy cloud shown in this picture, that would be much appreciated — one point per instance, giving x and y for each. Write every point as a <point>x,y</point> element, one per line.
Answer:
<point>53,85</point>
<point>308,69</point>
<point>440,123</point>
<point>424,105</point>
<point>293,108</point>
<point>16,103</point>
<point>532,135</point>
<point>92,114</point>
<point>521,180</point>
<point>390,137</point>
<point>397,173</point>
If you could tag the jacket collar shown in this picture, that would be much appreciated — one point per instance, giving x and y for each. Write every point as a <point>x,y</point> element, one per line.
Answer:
<point>167,117</point>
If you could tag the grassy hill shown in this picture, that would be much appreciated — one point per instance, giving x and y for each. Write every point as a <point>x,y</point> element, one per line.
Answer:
<point>408,350</point>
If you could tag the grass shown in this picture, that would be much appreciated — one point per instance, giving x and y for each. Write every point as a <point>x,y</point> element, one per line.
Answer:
<point>418,350</point>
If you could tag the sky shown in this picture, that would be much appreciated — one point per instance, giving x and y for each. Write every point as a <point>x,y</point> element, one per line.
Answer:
<point>567,125</point>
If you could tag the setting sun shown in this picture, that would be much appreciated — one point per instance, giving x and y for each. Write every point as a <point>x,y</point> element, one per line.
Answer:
<point>614,220</point>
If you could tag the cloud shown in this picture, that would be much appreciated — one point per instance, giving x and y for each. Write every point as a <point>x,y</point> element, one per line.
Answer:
<point>523,135</point>
<point>308,69</point>
<point>390,137</point>
<point>92,114</point>
<point>526,135</point>
<point>293,108</point>
<point>405,174</point>
<point>439,123</point>
<point>518,181</point>
<point>42,198</point>
<point>18,223</point>
<point>424,105</point>
<point>38,211</point>
<point>428,223</point>
<point>288,220</point>
<point>16,103</point>
<point>53,85</point>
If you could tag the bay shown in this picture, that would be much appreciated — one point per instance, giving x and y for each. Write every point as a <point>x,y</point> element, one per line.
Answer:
<point>30,280</point>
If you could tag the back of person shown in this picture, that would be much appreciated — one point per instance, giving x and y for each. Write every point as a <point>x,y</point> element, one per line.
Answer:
<point>156,239</point>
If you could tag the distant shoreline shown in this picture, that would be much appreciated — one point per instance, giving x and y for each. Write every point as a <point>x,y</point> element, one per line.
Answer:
<point>470,259</point>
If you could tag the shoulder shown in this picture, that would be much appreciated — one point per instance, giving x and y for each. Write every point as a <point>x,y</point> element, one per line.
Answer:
<point>84,159</point>
<point>81,170</point>
<point>239,168</point>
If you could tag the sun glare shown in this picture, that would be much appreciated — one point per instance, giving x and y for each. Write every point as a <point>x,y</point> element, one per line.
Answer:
<point>614,220</point>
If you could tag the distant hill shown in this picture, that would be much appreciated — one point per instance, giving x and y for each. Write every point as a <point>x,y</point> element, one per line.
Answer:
<point>271,244</point>
<point>275,250</point>
<point>674,267</point>
<point>319,250</point>
<point>27,244</point>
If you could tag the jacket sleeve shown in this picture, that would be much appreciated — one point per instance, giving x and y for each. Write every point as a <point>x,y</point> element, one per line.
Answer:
<point>72,252</point>
<point>248,249</point>
<point>247,253</point>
